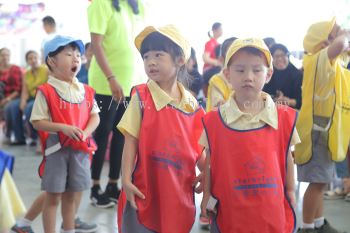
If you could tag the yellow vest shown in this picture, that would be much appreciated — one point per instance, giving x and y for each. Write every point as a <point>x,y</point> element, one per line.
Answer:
<point>223,86</point>
<point>34,81</point>
<point>336,107</point>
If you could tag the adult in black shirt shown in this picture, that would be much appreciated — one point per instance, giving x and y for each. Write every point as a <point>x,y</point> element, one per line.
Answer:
<point>285,83</point>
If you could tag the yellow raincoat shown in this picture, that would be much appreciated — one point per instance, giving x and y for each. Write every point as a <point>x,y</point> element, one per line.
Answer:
<point>331,103</point>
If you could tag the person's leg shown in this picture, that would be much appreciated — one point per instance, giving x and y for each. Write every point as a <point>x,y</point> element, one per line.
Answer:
<point>115,154</point>
<point>107,115</point>
<point>16,121</point>
<point>27,113</point>
<point>49,211</point>
<point>8,120</point>
<point>313,202</point>
<point>68,210</point>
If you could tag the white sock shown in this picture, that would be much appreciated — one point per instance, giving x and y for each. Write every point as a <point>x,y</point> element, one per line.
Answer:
<point>23,222</point>
<point>308,225</point>
<point>319,222</point>
<point>69,231</point>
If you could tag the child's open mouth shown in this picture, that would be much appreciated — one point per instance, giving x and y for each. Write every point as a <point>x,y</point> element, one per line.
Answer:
<point>74,69</point>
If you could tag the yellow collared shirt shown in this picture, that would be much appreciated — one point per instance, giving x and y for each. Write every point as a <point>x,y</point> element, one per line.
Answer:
<point>73,92</point>
<point>239,120</point>
<point>131,120</point>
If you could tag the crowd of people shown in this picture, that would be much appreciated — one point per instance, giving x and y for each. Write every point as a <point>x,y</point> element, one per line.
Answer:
<point>263,115</point>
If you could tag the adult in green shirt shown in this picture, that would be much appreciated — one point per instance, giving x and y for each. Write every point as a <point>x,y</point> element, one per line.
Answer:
<point>113,25</point>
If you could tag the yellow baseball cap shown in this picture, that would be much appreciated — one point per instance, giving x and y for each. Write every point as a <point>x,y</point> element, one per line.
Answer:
<point>171,32</point>
<point>249,42</point>
<point>317,34</point>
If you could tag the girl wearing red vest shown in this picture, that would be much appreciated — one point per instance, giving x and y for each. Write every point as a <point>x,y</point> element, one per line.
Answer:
<point>65,114</point>
<point>249,180</point>
<point>162,125</point>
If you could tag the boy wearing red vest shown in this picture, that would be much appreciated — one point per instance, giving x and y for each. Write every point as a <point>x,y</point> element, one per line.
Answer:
<point>65,114</point>
<point>249,166</point>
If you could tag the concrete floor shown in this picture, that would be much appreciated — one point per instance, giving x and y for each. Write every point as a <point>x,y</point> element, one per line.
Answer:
<point>28,183</point>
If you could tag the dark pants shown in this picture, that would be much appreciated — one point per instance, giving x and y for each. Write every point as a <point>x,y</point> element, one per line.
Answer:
<point>110,115</point>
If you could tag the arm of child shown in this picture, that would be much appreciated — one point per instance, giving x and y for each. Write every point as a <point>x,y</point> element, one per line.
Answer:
<point>290,185</point>
<point>199,178</point>
<point>206,187</point>
<point>72,132</point>
<point>128,164</point>
<point>91,125</point>
<point>340,44</point>
<point>24,96</point>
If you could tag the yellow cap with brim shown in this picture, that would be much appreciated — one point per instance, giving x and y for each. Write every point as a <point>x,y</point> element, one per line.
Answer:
<point>249,42</point>
<point>171,32</point>
<point>317,34</point>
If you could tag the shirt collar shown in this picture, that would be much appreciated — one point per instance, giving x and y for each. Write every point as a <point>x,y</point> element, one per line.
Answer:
<point>268,115</point>
<point>63,85</point>
<point>162,99</point>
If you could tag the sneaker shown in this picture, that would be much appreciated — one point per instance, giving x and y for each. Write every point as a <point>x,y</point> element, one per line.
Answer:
<point>82,227</point>
<point>301,230</point>
<point>112,192</point>
<point>327,228</point>
<point>99,198</point>
<point>335,194</point>
<point>204,221</point>
<point>17,229</point>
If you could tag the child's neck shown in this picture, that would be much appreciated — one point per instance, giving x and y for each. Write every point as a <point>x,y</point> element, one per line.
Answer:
<point>63,79</point>
<point>172,89</point>
<point>252,105</point>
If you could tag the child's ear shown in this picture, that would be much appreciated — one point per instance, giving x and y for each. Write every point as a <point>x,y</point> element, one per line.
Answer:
<point>180,61</point>
<point>269,75</point>
<point>225,71</point>
<point>50,61</point>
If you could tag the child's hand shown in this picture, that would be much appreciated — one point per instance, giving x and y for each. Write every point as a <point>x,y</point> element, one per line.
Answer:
<point>198,179</point>
<point>204,205</point>
<point>84,136</point>
<point>130,191</point>
<point>72,132</point>
<point>292,198</point>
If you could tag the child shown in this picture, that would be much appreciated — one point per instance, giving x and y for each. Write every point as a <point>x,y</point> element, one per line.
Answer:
<point>324,122</point>
<point>249,169</point>
<point>161,126</point>
<point>219,89</point>
<point>65,114</point>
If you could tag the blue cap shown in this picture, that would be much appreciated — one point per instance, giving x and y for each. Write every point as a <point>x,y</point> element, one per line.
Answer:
<point>59,41</point>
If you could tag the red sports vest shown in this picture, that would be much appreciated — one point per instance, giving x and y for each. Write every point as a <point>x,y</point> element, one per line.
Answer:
<point>248,172</point>
<point>62,111</point>
<point>165,167</point>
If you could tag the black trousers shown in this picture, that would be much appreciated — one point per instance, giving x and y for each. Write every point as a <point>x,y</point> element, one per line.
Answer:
<point>111,113</point>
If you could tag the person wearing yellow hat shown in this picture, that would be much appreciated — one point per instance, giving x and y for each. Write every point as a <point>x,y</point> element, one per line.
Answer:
<point>161,125</point>
<point>324,120</point>
<point>249,166</point>
<point>219,89</point>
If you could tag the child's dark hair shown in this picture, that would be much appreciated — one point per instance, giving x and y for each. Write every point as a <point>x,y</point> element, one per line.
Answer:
<point>87,45</point>
<point>225,45</point>
<point>30,52</point>
<point>214,27</point>
<point>49,20</point>
<point>158,42</point>
<point>60,49</point>
<point>132,3</point>
<point>217,51</point>
<point>250,50</point>
<point>269,41</point>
